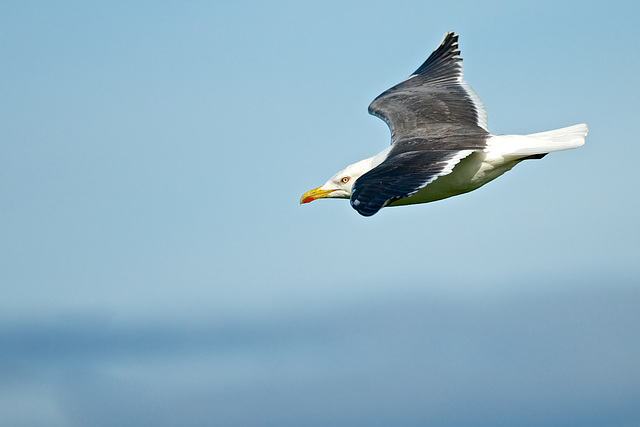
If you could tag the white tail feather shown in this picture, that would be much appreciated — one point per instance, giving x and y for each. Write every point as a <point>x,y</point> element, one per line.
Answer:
<point>538,143</point>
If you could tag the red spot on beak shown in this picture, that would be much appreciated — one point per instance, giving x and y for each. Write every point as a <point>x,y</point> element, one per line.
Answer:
<point>316,193</point>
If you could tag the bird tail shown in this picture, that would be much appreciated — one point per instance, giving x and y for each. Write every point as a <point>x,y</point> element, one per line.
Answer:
<point>540,143</point>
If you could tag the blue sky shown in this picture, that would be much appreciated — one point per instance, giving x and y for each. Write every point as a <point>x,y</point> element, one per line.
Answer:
<point>156,268</point>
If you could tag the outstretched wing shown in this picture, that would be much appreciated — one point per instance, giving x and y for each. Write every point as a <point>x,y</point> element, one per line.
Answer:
<point>401,176</point>
<point>433,101</point>
<point>436,120</point>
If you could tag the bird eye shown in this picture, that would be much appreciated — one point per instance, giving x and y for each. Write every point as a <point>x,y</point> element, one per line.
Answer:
<point>344,180</point>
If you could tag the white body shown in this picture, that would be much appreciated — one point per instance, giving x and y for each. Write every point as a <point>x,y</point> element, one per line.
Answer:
<point>502,153</point>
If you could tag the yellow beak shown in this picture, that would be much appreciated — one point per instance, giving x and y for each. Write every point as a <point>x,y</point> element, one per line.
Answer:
<point>314,194</point>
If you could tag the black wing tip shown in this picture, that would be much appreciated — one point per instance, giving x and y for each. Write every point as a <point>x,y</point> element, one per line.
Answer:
<point>443,58</point>
<point>367,214</point>
<point>449,40</point>
<point>365,209</point>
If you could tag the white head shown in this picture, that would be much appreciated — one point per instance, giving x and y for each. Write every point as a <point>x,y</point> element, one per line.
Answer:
<point>340,185</point>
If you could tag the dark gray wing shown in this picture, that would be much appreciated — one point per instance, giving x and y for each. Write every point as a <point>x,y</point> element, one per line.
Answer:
<point>433,101</point>
<point>401,176</point>
<point>436,120</point>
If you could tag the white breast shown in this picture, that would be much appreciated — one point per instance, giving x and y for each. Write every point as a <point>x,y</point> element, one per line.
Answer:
<point>471,173</point>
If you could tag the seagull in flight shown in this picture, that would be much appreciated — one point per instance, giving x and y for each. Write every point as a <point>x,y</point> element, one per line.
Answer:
<point>440,142</point>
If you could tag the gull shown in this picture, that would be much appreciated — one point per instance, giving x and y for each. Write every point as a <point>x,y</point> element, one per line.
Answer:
<point>440,142</point>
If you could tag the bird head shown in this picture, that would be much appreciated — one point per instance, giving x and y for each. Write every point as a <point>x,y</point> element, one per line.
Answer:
<point>339,185</point>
